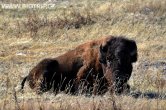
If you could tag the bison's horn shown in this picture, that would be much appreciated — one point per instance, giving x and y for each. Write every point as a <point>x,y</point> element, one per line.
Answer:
<point>103,49</point>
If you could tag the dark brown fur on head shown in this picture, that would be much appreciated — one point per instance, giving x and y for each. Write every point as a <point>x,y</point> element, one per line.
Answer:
<point>116,57</point>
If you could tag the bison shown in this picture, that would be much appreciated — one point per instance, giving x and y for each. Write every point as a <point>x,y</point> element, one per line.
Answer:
<point>86,66</point>
<point>116,58</point>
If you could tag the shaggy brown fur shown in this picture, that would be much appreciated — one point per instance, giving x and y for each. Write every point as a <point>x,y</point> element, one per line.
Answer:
<point>68,70</point>
<point>77,69</point>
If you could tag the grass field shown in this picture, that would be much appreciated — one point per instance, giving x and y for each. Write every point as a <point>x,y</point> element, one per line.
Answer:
<point>29,35</point>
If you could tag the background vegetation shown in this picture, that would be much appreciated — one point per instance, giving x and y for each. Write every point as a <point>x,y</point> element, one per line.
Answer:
<point>27,36</point>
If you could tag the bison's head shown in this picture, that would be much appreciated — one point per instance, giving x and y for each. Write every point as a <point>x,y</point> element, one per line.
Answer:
<point>116,57</point>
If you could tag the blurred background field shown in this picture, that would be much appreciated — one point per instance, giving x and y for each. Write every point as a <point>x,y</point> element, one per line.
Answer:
<point>29,35</point>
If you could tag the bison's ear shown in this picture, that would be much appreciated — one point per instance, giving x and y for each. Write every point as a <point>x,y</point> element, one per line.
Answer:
<point>133,50</point>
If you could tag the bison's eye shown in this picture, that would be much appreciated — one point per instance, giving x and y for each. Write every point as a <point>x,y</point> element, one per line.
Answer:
<point>108,58</point>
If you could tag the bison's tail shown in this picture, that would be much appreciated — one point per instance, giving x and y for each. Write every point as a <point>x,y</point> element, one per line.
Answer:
<point>23,82</point>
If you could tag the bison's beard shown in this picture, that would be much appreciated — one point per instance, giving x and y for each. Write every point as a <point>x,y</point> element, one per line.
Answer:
<point>117,78</point>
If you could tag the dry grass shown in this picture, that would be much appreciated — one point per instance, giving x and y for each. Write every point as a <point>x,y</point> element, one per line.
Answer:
<point>28,36</point>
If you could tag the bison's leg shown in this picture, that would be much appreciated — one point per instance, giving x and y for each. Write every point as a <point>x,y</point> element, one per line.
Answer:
<point>82,72</point>
<point>84,77</point>
<point>122,88</point>
<point>80,75</point>
<point>126,88</point>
